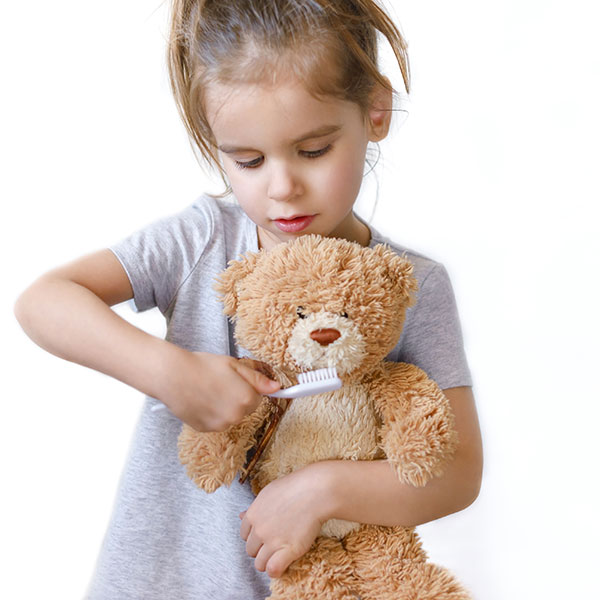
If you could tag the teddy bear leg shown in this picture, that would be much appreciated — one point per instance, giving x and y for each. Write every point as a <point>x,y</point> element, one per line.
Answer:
<point>426,581</point>
<point>324,572</point>
<point>390,563</point>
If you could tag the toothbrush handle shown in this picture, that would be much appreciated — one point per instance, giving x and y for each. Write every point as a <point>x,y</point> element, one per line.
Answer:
<point>290,392</point>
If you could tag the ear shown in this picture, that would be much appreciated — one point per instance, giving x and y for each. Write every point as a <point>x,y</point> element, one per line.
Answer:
<point>380,112</point>
<point>229,282</point>
<point>400,271</point>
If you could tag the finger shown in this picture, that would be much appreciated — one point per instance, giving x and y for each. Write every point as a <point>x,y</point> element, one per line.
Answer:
<point>261,383</point>
<point>260,366</point>
<point>279,561</point>
<point>262,558</point>
<point>245,528</point>
<point>242,515</point>
<point>253,545</point>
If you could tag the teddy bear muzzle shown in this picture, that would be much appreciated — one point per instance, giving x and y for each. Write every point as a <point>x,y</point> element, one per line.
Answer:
<point>325,336</point>
<point>326,339</point>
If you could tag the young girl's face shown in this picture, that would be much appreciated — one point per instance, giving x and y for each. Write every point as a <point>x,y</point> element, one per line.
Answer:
<point>295,163</point>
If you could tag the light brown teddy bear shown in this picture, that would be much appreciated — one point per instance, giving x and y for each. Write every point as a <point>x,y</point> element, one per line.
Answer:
<point>315,303</point>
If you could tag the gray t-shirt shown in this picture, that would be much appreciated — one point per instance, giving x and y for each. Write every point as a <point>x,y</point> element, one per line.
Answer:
<point>168,540</point>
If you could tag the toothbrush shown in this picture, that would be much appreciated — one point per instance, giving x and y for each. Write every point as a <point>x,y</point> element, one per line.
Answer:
<point>310,383</point>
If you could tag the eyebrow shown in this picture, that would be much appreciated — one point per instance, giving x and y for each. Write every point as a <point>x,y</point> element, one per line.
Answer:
<point>315,133</point>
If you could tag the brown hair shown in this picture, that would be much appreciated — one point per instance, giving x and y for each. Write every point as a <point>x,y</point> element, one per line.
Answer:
<point>231,41</point>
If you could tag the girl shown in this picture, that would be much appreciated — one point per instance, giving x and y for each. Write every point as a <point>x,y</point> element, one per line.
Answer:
<point>283,97</point>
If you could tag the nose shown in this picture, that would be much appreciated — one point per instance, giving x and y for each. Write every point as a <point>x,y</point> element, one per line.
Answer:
<point>283,183</point>
<point>325,336</point>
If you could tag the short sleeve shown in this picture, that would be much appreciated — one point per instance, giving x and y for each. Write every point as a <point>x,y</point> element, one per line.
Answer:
<point>432,337</point>
<point>159,258</point>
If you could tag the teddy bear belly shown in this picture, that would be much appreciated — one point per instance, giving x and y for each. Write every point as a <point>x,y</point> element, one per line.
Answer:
<point>332,426</point>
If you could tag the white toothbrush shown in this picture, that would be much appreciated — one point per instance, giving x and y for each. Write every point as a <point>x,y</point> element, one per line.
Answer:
<point>310,383</point>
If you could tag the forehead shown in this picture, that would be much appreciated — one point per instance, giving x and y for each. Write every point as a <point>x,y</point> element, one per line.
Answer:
<point>243,113</point>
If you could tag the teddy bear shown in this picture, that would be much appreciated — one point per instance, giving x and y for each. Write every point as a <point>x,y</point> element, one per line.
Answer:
<point>315,303</point>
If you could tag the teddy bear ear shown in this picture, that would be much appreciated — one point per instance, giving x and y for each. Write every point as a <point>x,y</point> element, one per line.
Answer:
<point>228,283</point>
<point>400,271</point>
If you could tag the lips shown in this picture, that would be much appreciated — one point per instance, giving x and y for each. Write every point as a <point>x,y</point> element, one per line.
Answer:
<point>294,224</point>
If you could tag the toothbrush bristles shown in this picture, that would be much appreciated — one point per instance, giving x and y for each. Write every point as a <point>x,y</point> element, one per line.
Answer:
<point>317,375</point>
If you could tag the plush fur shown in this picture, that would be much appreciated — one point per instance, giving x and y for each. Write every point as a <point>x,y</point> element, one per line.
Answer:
<point>277,299</point>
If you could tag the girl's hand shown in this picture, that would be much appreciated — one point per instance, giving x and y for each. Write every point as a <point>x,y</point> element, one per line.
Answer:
<point>284,519</point>
<point>211,392</point>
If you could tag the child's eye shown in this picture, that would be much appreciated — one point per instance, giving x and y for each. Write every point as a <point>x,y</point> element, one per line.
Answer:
<point>250,164</point>
<point>316,153</point>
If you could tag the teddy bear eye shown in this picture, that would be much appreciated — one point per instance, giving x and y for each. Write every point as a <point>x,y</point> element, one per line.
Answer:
<point>344,314</point>
<point>300,312</point>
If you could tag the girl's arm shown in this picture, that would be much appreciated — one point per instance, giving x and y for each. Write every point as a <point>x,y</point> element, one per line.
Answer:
<point>381,499</point>
<point>67,312</point>
<point>286,516</point>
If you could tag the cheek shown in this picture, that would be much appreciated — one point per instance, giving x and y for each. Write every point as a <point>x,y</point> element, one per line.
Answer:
<point>346,174</point>
<point>345,179</point>
<point>246,190</point>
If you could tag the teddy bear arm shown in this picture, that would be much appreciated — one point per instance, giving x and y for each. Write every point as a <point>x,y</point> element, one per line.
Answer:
<point>417,431</point>
<point>213,459</point>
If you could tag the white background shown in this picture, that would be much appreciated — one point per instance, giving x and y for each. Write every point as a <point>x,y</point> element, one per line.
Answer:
<point>495,173</point>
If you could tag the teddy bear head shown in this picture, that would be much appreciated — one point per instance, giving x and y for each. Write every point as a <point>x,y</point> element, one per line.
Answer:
<point>318,302</point>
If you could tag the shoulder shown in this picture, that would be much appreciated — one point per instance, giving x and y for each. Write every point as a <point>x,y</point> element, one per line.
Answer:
<point>426,270</point>
<point>434,300</point>
<point>215,209</point>
<point>193,227</point>
<point>208,210</point>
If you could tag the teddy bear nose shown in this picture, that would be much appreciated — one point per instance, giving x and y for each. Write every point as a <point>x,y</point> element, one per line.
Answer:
<point>325,336</point>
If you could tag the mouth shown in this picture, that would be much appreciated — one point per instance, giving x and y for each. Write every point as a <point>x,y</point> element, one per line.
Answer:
<point>294,224</point>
